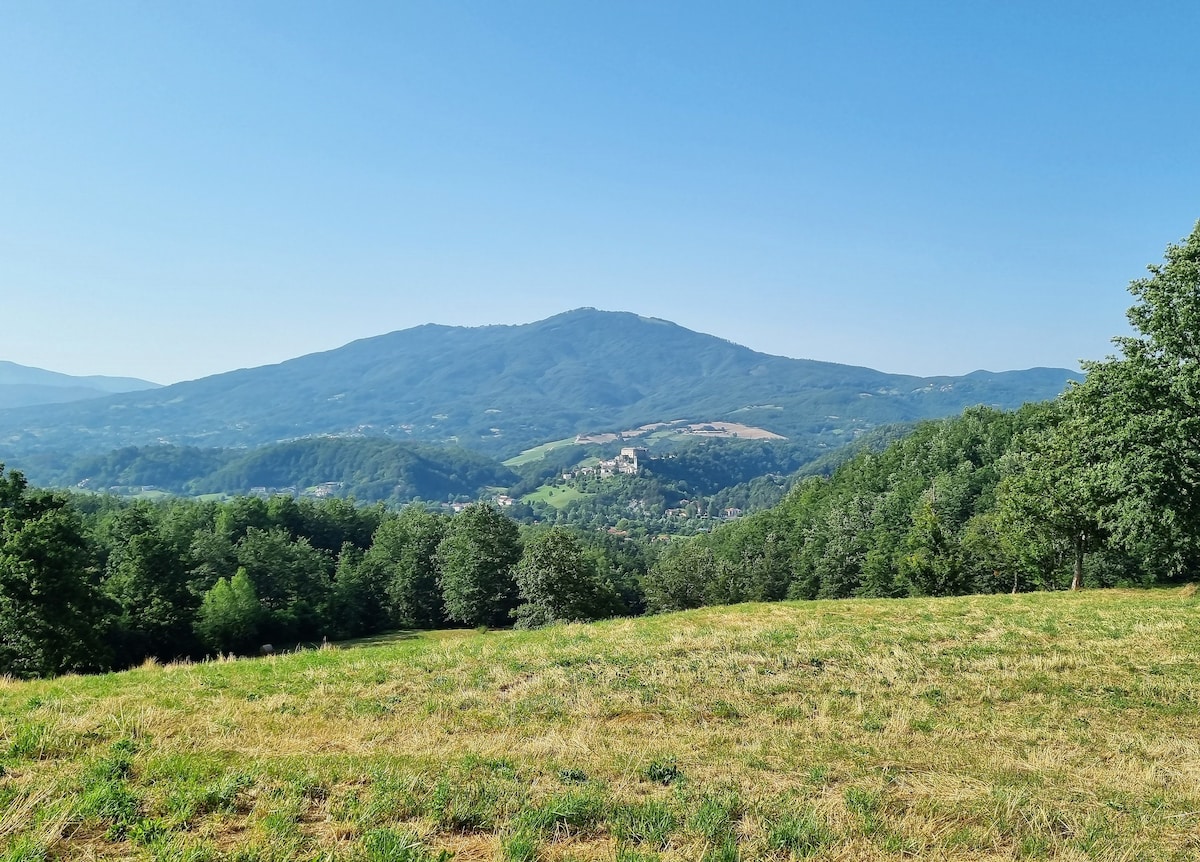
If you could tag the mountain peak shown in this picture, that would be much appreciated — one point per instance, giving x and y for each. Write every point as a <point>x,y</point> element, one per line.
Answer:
<point>501,389</point>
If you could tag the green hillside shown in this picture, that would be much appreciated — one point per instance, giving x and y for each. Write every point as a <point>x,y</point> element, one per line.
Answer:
<point>368,469</point>
<point>1039,726</point>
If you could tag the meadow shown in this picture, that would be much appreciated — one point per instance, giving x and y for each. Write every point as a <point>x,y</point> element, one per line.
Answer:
<point>1038,726</point>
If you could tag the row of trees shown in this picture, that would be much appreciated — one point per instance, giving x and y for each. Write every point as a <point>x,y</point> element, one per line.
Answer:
<point>1102,484</point>
<point>89,583</point>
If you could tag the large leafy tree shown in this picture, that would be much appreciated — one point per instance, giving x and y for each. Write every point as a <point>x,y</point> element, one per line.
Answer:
<point>292,579</point>
<point>559,582</point>
<point>1048,496</point>
<point>476,560</point>
<point>402,565</point>
<point>147,580</point>
<point>1141,412</point>
<point>230,615</point>
<point>50,607</point>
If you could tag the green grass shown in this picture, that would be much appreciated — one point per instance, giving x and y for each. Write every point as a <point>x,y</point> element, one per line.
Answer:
<point>558,496</point>
<point>1050,726</point>
<point>537,453</point>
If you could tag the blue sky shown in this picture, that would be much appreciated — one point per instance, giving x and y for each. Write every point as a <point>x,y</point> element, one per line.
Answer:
<point>188,188</point>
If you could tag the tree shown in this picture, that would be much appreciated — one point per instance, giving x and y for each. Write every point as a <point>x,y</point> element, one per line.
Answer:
<point>559,582</point>
<point>682,578</point>
<point>292,579</point>
<point>930,564</point>
<point>147,580</point>
<point>1141,414</point>
<point>1048,493</point>
<point>476,560</point>
<point>50,607</point>
<point>230,614</point>
<point>402,560</point>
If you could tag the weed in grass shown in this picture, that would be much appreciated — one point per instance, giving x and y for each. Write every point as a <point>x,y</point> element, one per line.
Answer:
<point>148,830</point>
<point>469,807</point>
<point>567,775</point>
<point>566,815</point>
<point>32,740</point>
<point>865,804</point>
<point>800,834</point>
<point>649,823</point>
<point>25,849</point>
<point>663,770</point>
<point>520,847</point>
<point>282,819</point>
<point>726,710</point>
<point>716,817</point>
<point>726,851</point>
<point>113,805</point>
<point>310,787</point>
<point>386,845</point>
<point>873,723</point>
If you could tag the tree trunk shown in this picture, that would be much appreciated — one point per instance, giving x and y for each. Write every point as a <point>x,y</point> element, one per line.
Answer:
<point>1077,580</point>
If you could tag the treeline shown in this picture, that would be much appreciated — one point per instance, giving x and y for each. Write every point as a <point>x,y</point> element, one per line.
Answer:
<point>1101,485</point>
<point>92,583</point>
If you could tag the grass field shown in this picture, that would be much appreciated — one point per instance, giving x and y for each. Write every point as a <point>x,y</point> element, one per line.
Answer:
<point>558,496</point>
<point>1047,726</point>
<point>537,453</point>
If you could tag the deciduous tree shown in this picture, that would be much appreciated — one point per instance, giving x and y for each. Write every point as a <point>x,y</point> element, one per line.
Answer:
<point>1141,414</point>
<point>476,560</point>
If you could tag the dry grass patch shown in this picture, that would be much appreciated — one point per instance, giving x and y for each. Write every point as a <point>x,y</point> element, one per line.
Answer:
<point>1047,726</point>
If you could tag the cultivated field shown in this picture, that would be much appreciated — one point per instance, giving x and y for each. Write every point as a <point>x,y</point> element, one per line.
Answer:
<point>1048,726</point>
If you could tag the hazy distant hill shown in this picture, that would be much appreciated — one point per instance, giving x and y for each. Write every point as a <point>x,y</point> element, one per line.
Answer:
<point>500,389</point>
<point>23,386</point>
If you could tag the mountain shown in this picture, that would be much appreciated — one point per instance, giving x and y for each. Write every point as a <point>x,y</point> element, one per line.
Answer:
<point>501,389</point>
<point>23,386</point>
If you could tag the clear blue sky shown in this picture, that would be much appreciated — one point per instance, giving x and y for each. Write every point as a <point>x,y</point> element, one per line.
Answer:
<point>188,188</point>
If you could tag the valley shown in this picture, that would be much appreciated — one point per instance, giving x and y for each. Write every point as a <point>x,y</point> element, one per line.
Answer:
<point>444,415</point>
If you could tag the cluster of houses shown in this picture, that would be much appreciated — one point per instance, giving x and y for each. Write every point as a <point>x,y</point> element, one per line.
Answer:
<point>626,464</point>
<point>683,511</point>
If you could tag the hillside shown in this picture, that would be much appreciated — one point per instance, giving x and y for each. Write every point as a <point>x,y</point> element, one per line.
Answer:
<point>24,386</point>
<point>503,389</point>
<point>1050,726</point>
<point>368,469</point>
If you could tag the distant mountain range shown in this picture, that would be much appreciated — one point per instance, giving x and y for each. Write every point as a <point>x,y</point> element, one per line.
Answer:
<point>23,386</point>
<point>502,389</point>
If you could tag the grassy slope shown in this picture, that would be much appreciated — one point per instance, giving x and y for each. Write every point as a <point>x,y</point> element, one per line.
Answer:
<point>558,496</point>
<point>1040,726</point>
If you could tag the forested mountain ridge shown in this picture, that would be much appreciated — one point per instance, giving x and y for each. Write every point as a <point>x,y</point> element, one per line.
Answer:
<point>500,389</point>
<point>24,386</point>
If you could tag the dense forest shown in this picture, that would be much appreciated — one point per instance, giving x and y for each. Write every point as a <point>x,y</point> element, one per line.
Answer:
<point>91,583</point>
<point>1101,487</point>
